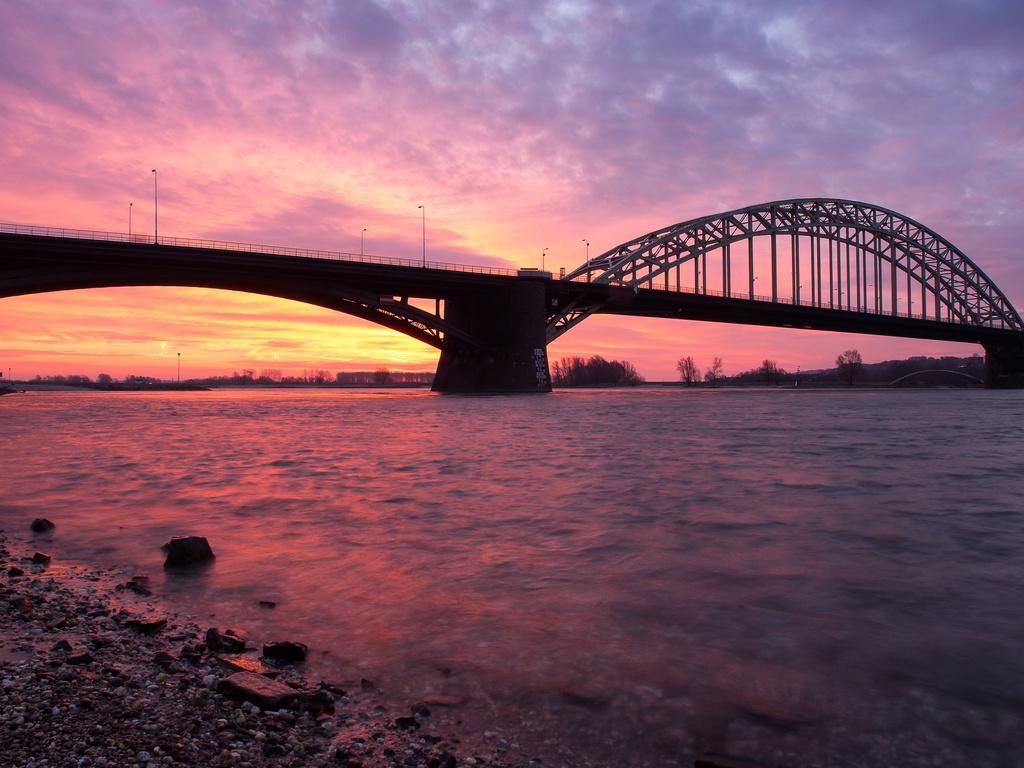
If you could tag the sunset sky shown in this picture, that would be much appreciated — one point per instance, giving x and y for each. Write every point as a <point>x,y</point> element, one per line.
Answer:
<point>518,125</point>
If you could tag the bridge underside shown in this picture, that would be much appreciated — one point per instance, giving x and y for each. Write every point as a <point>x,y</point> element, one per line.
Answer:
<point>1004,349</point>
<point>490,330</point>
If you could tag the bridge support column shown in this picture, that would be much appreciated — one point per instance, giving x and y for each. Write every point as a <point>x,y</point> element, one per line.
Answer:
<point>510,324</point>
<point>1004,366</point>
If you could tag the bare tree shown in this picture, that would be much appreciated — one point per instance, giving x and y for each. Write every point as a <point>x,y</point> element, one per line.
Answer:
<point>593,372</point>
<point>770,372</point>
<point>849,364</point>
<point>688,370</point>
<point>714,373</point>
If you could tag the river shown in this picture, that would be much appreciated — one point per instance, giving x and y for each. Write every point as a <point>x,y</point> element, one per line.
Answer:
<point>623,577</point>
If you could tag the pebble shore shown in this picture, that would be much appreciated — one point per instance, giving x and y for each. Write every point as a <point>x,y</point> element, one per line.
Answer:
<point>94,671</point>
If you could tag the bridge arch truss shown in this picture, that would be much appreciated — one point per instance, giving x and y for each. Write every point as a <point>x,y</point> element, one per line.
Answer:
<point>834,254</point>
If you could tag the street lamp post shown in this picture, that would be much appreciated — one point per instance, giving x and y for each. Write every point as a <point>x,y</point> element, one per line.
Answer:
<point>542,253</point>
<point>130,204</point>
<point>424,209</point>
<point>156,237</point>
<point>179,367</point>
<point>587,243</point>
<point>361,241</point>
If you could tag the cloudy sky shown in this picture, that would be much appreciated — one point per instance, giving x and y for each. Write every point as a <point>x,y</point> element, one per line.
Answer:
<point>518,125</point>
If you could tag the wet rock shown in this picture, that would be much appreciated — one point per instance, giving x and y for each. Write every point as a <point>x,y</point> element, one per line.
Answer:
<point>42,525</point>
<point>420,709</point>
<point>61,645</point>
<point>367,685</point>
<point>407,723</point>
<point>333,688</point>
<point>228,641</point>
<point>41,558</point>
<point>316,702</point>
<point>146,625</point>
<point>261,691</point>
<point>185,551</point>
<point>139,585</point>
<point>20,603</point>
<point>268,604</point>
<point>79,657</point>
<point>15,571</point>
<point>444,760</point>
<point>164,659</point>
<point>246,664</point>
<point>286,651</point>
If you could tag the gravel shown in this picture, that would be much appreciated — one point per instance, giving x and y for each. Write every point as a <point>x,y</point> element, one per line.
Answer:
<point>94,674</point>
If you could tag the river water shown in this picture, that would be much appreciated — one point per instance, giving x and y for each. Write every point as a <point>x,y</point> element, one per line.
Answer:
<point>613,577</point>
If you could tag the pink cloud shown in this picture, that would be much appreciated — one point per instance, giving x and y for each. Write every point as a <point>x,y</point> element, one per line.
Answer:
<point>520,127</point>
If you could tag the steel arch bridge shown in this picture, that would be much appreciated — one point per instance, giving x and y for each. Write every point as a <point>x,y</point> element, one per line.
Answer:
<point>824,264</point>
<point>822,253</point>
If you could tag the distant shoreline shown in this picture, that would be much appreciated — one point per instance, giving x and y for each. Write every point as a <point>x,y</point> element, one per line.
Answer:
<point>30,386</point>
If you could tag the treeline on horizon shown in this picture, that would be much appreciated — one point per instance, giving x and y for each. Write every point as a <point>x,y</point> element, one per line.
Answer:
<point>266,377</point>
<point>594,372</point>
<point>578,371</point>
<point>849,369</point>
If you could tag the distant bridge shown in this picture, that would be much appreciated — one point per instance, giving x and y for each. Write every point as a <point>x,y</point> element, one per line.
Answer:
<point>834,265</point>
<point>931,371</point>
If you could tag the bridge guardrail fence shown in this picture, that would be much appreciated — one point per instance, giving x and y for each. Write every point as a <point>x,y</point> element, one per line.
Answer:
<point>309,253</point>
<point>803,303</point>
<point>226,245</point>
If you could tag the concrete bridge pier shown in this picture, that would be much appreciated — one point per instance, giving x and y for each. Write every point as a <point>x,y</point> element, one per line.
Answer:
<point>510,325</point>
<point>1004,366</point>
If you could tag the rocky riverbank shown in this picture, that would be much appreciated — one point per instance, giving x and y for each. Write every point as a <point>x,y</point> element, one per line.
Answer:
<point>94,671</point>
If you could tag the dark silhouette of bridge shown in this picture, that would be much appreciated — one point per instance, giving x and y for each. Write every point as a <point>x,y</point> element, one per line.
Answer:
<point>831,265</point>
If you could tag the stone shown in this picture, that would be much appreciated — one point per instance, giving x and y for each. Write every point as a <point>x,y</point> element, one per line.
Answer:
<point>407,723</point>
<point>41,558</point>
<point>246,664</point>
<point>316,702</point>
<point>164,659</point>
<point>261,691</point>
<point>61,645</point>
<point>42,525</point>
<point>79,657</point>
<point>146,625</point>
<point>333,688</point>
<point>20,603</point>
<point>285,651</point>
<point>268,604</point>
<point>139,585</point>
<point>186,551</point>
<point>15,571</point>
<point>229,642</point>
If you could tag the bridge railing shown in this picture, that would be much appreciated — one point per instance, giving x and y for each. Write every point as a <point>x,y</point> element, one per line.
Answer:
<point>864,309</point>
<point>227,245</point>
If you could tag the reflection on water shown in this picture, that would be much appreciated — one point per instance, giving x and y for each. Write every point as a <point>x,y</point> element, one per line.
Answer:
<point>816,578</point>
